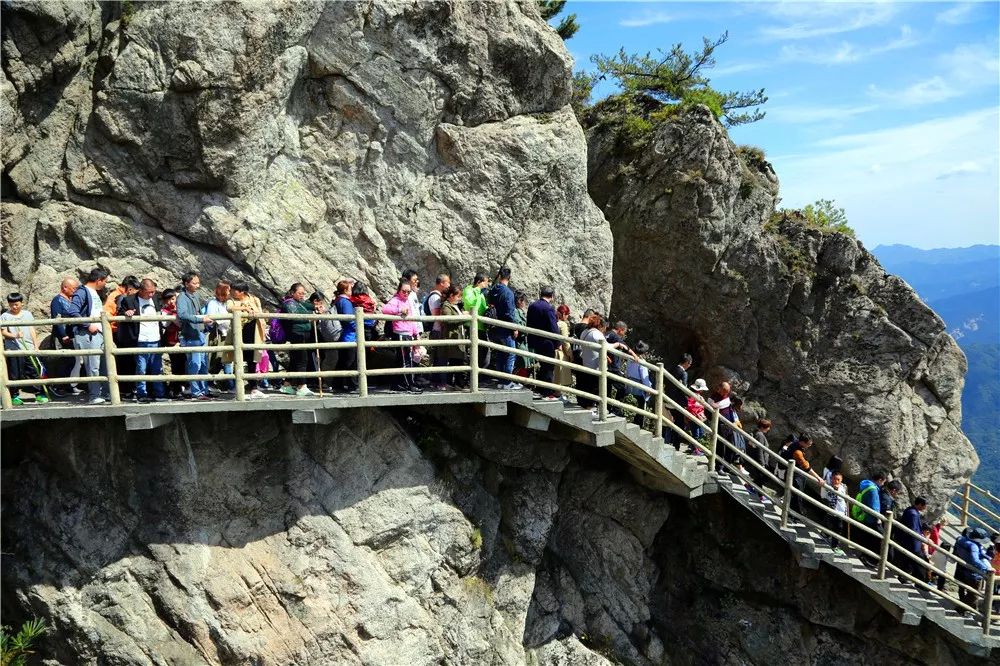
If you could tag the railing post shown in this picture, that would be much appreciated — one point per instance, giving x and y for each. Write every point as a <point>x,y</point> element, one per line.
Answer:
<point>474,351</point>
<point>786,502</point>
<point>239,368</point>
<point>5,396</point>
<point>658,428</point>
<point>109,359</point>
<point>965,504</point>
<point>362,360</point>
<point>713,441</point>
<point>602,388</point>
<point>988,599</point>
<point>886,543</point>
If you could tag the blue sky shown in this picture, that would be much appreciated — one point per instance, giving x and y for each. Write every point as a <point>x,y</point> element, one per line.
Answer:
<point>890,109</point>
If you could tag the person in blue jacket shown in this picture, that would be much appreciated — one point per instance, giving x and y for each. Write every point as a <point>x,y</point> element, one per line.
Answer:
<point>910,543</point>
<point>973,554</point>
<point>869,496</point>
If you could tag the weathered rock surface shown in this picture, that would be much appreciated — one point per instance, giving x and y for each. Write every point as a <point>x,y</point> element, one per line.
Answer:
<point>390,538</point>
<point>808,323</point>
<point>280,141</point>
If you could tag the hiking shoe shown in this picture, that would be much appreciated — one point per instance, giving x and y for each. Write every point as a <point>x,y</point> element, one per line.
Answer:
<point>255,395</point>
<point>75,391</point>
<point>304,391</point>
<point>41,399</point>
<point>97,401</point>
<point>414,389</point>
<point>16,401</point>
<point>287,389</point>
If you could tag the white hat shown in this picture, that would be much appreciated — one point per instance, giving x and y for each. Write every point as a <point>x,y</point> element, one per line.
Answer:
<point>699,385</point>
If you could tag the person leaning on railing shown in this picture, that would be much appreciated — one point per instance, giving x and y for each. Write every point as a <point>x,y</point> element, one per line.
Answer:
<point>407,331</point>
<point>86,302</point>
<point>590,358</point>
<point>21,338</point>
<point>452,355</point>
<point>142,335</point>
<point>298,331</point>
<point>252,330</point>
<point>62,338</point>
<point>969,549</point>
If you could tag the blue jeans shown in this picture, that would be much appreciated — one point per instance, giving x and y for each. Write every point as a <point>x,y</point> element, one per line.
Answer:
<point>149,364</point>
<point>505,360</point>
<point>197,364</point>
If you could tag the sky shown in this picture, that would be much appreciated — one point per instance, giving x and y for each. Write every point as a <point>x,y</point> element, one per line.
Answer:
<point>888,108</point>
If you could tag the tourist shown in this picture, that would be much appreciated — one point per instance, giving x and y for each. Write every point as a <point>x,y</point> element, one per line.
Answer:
<point>143,335</point>
<point>637,371</point>
<point>413,278</point>
<point>796,454</point>
<point>86,302</point>
<point>298,331</point>
<point>868,495</point>
<point>542,316</point>
<point>474,300</point>
<point>347,358</point>
<point>616,340</point>
<point>676,393</point>
<point>128,286</point>
<point>453,330</point>
<point>758,448</point>
<point>940,561</point>
<point>361,299</point>
<point>192,319</point>
<point>522,364</point>
<point>564,351</point>
<point>580,327</point>
<point>324,330</point>
<point>62,337</point>
<point>501,298</point>
<point>834,494</point>
<point>911,543</point>
<point>217,331</point>
<point>696,408</point>
<point>976,565</point>
<point>252,331</point>
<point>432,308</point>
<point>887,495</point>
<point>401,304</point>
<point>20,337</point>
<point>591,358</point>
<point>171,338</point>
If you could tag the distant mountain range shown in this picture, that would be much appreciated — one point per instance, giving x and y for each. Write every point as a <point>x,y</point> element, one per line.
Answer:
<point>963,286</point>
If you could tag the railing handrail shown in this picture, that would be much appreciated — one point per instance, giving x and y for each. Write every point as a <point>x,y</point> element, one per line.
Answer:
<point>665,385</point>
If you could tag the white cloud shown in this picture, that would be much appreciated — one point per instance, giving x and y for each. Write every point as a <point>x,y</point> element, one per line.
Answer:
<point>646,18</point>
<point>820,19</point>
<point>846,52</point>
<point>890,180</point>
<point>966,168</point>
<point>956,15</point>
<point>808,114</point>
<point>736,68</point>
<point>968,68</point>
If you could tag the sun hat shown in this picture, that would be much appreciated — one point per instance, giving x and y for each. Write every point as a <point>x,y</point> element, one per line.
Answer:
<point>699,385</point>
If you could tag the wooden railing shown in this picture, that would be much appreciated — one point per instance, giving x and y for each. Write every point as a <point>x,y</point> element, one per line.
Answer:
<point>779,475</point>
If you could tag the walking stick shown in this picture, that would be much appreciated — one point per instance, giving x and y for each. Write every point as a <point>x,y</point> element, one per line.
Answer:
<point>316,358</point>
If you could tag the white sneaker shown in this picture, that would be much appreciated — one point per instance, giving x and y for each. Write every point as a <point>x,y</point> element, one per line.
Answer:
<point>97,401</point>
<point>511,386</point>
<point>304,391</point>
<point>255,395</point>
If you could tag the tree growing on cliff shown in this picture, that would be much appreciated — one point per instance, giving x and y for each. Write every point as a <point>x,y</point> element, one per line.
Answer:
<point>676,78</point>
<point>583,86</point>
<point>568,26</point>
<point>825,214</point>
<point>16,648</point>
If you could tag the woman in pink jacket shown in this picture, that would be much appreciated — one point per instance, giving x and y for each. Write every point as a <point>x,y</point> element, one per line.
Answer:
<point>402,329</point>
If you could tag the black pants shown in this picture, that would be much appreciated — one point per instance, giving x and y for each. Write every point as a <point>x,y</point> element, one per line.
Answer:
<point>588,383</point>
<point>672,436</point>
<point>797,505</point>
<point>178,366</point>
<point>126,366</point>
<point>642,402</point>
<point>868,541</point>
<point>837,526</point>
<point>967,597</point>
<point>347,359</point>
<point>298,359</point>
<point>546,371</point>
<point>405,358</point>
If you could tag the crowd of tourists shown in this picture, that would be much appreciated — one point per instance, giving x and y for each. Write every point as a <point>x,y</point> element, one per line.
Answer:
<point>193,321</point>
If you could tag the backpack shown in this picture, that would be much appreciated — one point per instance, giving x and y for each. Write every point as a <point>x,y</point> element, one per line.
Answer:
<point>426,305</point>
<point>857,513</point>
<point>276,331</point>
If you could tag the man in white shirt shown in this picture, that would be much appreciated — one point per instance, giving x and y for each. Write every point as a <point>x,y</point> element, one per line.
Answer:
<point>86,302</point>
<point>144,334</point>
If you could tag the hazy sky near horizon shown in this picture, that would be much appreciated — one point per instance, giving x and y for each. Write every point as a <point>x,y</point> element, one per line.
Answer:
<point>889,108</point>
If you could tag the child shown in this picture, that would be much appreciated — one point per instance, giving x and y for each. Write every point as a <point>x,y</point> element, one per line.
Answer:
<point>835,496</point>
<point>21,338</point>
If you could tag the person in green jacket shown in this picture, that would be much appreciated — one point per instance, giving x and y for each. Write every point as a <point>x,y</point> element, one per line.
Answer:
<point>474,300</point>
<point>298,331</point>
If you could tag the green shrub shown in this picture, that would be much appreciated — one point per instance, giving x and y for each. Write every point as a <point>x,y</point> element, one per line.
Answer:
<point>15,650</point>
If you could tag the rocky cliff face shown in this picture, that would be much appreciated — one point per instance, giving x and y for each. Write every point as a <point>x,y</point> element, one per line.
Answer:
<point>282,141</point>
<point>392,537</point>
<point>807,323</point>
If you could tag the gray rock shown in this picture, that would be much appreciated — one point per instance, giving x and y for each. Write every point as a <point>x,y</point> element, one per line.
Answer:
<point>805,323</point>
<point>304,141</point>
